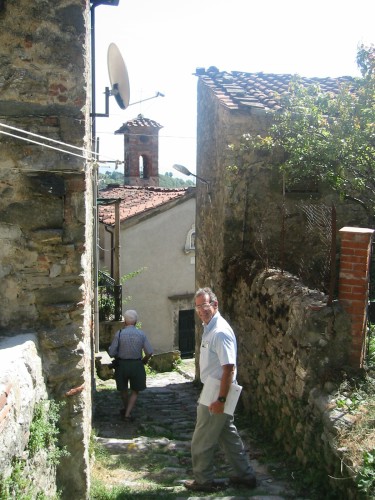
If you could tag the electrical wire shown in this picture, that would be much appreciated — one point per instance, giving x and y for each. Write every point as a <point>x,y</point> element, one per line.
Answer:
<point>46,138</point>
<point>145,134</point>
<point>42,144</point>
<point>28,139</point>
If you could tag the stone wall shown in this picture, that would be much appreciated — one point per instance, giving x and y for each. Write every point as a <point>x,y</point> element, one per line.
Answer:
<point>107,330</point>
<point>45,212</point>
<point>292,351</point>
<point>22,386</point>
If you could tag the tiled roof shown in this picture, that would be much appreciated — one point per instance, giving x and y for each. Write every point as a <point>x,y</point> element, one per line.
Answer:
<point>239,90</point>
<point>138,123</point>
<point>137,200</point>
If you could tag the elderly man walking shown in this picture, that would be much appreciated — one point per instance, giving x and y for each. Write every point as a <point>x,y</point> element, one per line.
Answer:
<point>128,346</point>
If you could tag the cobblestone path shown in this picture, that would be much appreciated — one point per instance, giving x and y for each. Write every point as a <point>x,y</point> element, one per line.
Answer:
<point>157,444</point>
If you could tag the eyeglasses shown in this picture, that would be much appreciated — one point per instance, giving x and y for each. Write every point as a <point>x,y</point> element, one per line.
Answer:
<point>205,306</point>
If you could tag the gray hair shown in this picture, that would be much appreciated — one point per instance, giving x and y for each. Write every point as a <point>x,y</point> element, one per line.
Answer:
<point>131,317</point>
<point>206,291</point>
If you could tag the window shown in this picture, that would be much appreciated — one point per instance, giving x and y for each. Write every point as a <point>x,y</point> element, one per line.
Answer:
<point>190,240</point>
<point>143,167</point>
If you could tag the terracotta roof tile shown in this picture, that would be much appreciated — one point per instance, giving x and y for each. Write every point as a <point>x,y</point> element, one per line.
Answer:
<point>240,90</point>
<point>136,200</point>
<point>139,122</point>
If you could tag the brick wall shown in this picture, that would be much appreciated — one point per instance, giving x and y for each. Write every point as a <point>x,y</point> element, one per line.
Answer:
<point>354,285</point>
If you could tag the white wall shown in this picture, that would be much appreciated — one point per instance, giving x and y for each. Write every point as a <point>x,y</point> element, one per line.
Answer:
<point>158,244</point>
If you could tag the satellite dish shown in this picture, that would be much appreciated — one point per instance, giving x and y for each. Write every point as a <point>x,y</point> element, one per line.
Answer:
<point>118,76</point>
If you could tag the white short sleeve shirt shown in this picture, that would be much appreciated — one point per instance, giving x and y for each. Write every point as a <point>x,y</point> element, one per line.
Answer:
<point>218,348</point>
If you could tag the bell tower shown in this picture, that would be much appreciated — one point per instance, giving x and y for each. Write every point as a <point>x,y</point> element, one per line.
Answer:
<point>141,151</point>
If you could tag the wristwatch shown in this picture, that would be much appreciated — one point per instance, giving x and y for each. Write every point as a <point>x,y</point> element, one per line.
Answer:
<point>222,399</point>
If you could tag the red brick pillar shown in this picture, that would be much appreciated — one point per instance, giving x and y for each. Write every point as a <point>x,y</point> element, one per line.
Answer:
<point>354,285</point>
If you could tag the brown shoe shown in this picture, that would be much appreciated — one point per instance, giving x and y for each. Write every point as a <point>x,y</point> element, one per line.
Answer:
<point>249,482</point>
<point>207,487</point>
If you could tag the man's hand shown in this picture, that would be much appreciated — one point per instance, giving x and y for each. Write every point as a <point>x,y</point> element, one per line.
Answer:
<point>146,359</point>
<point>216,407</point>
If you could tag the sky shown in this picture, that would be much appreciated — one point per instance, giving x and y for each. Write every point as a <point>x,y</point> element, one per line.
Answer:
<point>162,42</point>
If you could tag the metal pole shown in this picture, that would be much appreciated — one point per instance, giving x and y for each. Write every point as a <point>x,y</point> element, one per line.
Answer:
<point>116,269</point>
<point>332,282</point>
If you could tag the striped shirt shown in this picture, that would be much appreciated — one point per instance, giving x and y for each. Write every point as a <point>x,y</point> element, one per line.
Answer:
<point>129,343</point>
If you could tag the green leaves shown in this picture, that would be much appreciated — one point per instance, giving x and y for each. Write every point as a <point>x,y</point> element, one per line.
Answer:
<point>326,137</point>
<point>44,430</point>
<point>366,475</point>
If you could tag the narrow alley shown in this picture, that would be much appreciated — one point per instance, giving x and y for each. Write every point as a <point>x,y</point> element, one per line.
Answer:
<point>150,457</point>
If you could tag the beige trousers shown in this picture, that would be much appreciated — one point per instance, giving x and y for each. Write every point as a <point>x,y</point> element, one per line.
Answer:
<point>212,431</point>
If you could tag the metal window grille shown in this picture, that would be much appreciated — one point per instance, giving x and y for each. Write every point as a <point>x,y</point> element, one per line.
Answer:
<point>109,298</point>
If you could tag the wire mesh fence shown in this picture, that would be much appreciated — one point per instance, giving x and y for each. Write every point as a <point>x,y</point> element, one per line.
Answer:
<point>306,245</point>
<point>320,267</point>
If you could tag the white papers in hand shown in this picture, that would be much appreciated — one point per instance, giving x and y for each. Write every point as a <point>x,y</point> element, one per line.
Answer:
<point>210,393</point>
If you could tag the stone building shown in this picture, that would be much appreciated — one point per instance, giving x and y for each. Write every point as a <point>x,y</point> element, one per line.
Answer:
<point>247,213</point>
<point>46,233</point>
<point>292,344</point>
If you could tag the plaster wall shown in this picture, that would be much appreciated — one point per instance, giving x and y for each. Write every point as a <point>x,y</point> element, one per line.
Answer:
<point>166,285</point>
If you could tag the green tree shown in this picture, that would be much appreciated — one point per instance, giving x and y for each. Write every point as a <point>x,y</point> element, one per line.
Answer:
<point>117,177</point>
<point>328,137</point>
<point>169,181</point>
<point>114,177</point>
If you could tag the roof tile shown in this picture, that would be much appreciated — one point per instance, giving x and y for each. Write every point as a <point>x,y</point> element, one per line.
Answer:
<point>136,200</point>
<point>239,90</point>
<point>140,121</point>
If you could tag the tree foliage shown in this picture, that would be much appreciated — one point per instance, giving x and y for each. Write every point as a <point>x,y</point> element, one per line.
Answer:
<point>328,137</point>
<point>169,181</point>
<point>107,178</point>
<point>117,177</point>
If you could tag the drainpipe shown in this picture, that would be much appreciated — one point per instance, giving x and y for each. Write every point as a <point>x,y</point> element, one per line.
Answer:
<point>108,230</point>
<point>116,267</point>
<point>115,256</point>
<point>95,147</point>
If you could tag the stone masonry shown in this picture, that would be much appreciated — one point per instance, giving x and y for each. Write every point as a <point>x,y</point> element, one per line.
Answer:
<point>293,347</point>
<point>46,222</point>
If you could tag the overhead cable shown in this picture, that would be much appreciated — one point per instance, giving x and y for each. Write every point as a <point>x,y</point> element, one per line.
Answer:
<point>28,139</point>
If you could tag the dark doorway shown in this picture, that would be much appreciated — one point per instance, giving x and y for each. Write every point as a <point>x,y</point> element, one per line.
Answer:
<point>186,333</point>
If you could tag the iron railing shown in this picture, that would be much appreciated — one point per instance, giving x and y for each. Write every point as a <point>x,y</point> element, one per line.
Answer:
<point>109,298</point>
